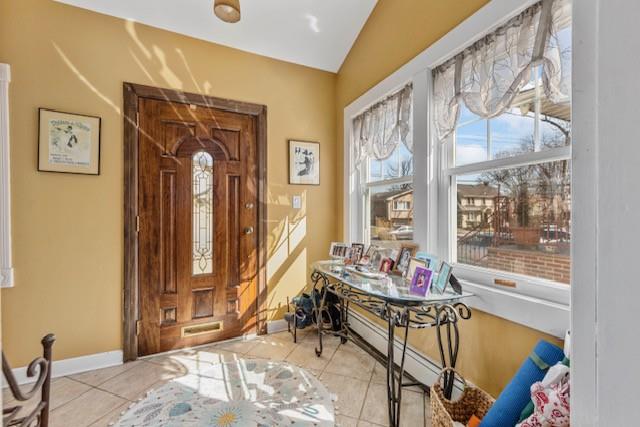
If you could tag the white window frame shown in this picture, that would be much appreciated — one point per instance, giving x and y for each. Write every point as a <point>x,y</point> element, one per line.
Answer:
<point>525,285</point>
<point>363,230</point>
<point>6,266</point>
<point>536,303</point>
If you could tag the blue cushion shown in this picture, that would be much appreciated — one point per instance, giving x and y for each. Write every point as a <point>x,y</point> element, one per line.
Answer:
<point>505,412</point>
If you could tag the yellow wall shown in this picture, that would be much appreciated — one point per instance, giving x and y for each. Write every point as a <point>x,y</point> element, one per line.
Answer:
<point>68,229</point>
<point>492,348</point>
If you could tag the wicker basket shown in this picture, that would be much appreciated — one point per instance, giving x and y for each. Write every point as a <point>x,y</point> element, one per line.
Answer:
<point>444,412</point>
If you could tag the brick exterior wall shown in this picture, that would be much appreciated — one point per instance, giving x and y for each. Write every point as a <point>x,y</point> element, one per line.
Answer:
<point>547,266</point>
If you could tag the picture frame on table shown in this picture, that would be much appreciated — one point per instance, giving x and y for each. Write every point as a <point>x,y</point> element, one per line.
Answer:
<point>442,280</point>
<point>392,253</point>
<point>386,265</point>
<point>304,162</point>
<point>411,268</point>
<point>431,260</point>
<point>339,250</point>
<point>370,250</point>
<point>405,254</point>
<point>68,142</point>
<point>421,281</point>
<point>357,252</point>
<point>376,259</point>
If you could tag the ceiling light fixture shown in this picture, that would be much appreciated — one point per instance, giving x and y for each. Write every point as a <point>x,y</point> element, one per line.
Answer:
<point>227,10</point>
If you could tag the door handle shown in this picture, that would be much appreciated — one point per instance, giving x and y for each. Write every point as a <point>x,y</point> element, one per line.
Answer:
<point>248,230</point>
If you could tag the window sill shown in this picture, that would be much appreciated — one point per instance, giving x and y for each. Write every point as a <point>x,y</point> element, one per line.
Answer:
<point>542,315</point>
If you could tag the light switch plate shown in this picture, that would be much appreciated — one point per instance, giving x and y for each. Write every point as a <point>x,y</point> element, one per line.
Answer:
<point>297,202</point>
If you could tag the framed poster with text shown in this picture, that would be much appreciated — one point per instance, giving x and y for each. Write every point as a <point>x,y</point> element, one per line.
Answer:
<point>68,143</point>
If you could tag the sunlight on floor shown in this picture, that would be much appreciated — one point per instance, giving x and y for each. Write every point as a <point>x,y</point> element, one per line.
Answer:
<point>97,398</point>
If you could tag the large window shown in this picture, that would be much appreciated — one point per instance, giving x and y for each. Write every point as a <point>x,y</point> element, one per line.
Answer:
<point>511,182</point>
<point>382,142</point>
<point>389,199</point>
<point>486,182</point>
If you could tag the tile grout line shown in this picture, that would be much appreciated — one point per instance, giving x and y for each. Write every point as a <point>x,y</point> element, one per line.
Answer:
<point>126,399</point>
<point>92,385</point>
<point>115,376</point>
<point>119,410</point>
<point>366,394</point>
<point>127,402</point>
<point>72,400</point>
<point>78,397</point>
<point>424,412</point>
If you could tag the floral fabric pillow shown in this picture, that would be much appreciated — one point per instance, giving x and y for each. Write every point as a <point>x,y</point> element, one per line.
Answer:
<point>551,405</point>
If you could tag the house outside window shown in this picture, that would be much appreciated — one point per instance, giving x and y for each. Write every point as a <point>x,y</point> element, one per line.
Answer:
<point>388,203</point>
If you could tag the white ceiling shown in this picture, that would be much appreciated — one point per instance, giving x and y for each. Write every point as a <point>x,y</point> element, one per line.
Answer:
<point>316,33</point>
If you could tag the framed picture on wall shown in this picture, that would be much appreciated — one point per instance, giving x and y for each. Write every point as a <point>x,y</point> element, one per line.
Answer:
<point>304,162</point>
<point>68,143</point>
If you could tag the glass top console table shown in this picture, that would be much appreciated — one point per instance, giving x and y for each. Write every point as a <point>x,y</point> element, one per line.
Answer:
<point>389,298</point>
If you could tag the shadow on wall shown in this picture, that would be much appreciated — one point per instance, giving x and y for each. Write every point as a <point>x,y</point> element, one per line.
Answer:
<point>286,250</point>
<point>155,59</point>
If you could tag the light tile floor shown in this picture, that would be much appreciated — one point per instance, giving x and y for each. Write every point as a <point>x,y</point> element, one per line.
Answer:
<point>97,398</point>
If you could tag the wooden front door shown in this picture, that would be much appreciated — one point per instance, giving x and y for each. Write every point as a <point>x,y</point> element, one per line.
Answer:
<point>197,207</point>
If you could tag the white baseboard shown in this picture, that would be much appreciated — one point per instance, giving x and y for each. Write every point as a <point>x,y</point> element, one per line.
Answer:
<point>416,364</point>
<point>74,365</point>
<point>274,326</point>
<point>91,362</point>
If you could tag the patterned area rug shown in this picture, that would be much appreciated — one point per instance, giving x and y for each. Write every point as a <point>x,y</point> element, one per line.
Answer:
<point>243,393</point>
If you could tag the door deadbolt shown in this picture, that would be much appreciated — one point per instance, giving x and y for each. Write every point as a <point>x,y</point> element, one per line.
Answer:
<point>248,230</point>
<point>249,206</point>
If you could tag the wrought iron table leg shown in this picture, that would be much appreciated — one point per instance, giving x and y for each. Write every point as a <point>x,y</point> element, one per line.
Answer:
<point>346,315</point>
<point>445,321</point>
<point>344,327</point>
<point>447,317</point>
<point>394,380</point>
<point>293,332</point>
<point>319,309</point>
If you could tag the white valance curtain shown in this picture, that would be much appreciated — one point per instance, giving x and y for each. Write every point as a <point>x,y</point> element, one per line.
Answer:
<point>487,75</point>
<point>379,129</point>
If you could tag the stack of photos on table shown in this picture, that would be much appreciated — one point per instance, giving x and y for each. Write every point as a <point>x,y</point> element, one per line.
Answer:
<point>421,272</point>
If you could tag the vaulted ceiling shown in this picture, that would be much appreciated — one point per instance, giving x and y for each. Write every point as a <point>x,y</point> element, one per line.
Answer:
<point>315,33</point>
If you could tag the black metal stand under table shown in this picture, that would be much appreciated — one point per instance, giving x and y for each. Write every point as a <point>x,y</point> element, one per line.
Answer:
<point>389,299</point>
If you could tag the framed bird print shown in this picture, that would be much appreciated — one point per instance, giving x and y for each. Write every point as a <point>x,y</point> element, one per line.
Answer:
<point>304,162</point>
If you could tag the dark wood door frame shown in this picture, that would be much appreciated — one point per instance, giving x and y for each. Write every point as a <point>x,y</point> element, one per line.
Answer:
<point>131,94</point>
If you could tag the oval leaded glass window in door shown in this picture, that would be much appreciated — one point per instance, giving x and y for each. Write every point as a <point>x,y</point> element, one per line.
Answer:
<point>202,176</point>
